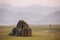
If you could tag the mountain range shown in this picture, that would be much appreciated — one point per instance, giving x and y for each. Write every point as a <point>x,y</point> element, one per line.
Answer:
<point>53,18</point>
<point>33,14</point>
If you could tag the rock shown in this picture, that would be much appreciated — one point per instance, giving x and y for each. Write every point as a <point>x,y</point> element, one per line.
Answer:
<point>22,29</point>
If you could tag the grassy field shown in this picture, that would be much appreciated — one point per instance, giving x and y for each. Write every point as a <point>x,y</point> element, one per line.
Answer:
<point>39,32</point>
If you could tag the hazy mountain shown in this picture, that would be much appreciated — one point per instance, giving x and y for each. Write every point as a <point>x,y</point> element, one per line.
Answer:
<point>53,18</point>
<point>35,8</point>
<point>8,7</point>
<point>32,14</point>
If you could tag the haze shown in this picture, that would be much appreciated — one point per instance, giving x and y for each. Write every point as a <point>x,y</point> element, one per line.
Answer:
<point>32,11</point>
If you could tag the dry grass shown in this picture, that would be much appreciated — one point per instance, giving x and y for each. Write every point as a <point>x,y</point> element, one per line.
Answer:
<point>39,33</point>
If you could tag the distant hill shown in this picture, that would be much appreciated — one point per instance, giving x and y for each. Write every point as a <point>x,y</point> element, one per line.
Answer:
<point>53,18</point>
<point>35,8</point>
<point>32,14</point>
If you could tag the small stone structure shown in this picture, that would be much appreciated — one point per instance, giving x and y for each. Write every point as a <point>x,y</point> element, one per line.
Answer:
<point>22,29</point>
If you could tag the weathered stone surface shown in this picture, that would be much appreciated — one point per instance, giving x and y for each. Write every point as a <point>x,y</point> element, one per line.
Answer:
<point>22,29</point>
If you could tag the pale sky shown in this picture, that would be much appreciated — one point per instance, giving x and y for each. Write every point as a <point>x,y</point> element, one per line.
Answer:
<point>30,2</point>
